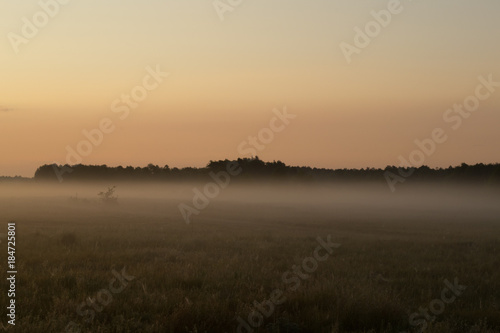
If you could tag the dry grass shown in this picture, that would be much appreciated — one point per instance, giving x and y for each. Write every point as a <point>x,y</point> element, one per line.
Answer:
<point>201,277</point>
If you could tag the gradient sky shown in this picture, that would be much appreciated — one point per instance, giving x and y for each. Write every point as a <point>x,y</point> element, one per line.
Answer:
<point>227,76</point>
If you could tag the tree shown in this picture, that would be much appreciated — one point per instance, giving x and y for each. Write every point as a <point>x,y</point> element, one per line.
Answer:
<point>108,197</point>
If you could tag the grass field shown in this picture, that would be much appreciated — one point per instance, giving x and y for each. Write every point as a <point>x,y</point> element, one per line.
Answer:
<point>394,257</point>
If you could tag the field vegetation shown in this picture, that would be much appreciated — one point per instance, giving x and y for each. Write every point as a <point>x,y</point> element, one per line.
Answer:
<point>394,256</point>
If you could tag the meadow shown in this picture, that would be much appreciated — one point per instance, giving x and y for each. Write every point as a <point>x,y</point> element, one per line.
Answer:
<point>395,254</point>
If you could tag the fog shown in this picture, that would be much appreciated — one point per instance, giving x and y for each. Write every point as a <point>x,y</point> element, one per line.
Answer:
<point>331,201</point>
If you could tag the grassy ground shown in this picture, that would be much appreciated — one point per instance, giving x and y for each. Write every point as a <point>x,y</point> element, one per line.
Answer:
<point>202,277</point>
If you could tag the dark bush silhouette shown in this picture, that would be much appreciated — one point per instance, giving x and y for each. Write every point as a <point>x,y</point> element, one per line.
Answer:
<point>108,197</point>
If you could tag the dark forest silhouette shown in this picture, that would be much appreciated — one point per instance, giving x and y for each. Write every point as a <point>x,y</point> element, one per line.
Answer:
<point>254,168</point>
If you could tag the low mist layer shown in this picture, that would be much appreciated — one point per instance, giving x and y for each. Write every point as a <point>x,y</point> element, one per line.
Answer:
<point>333,201</point>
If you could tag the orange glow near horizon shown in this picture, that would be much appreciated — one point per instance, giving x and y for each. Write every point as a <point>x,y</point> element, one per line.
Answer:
<point>226,77</point>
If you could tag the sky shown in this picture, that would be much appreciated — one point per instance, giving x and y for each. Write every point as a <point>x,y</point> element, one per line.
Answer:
<point>232,67</point>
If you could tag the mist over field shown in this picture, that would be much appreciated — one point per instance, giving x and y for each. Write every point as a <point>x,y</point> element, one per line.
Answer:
<point>230,166</point>
<point>364,201</point>
<point>245,262</point>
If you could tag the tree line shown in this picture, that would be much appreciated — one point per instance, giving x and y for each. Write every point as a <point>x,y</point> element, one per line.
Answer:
<point>255,168</point>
